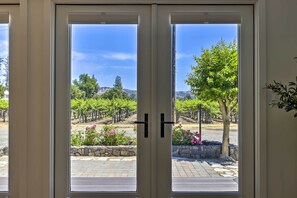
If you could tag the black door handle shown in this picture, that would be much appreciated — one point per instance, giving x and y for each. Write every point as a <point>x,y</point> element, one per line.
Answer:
<point>145,122</point>
<point>163,122</point>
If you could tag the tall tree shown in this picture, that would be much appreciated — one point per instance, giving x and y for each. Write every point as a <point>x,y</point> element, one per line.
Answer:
<point>115,93</point>
<point>4,71</point>
<point>215,77</point>
<point>117,90</point>
<point>118,83</point>
<point>87,84</point>
<point>76,93</point>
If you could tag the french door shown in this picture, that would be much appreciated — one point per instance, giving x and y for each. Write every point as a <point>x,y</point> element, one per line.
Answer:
<point>141,48</point>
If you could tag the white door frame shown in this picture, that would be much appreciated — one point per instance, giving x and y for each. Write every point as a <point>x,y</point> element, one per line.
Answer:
<point>17,101</point>
<point>153,110</point>
<point>246,92</point>
<point>62,91</point>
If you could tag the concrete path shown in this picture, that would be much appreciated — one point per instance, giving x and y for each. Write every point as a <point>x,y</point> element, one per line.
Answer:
<point>119,174</point>
<point>126,167</point>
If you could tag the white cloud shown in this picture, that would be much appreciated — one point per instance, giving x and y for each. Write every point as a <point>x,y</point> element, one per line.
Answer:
<point>78,56</point>
<point>182,55</point>
<point>122,67</point>
<point>3,48</point>
<point>119,56</point>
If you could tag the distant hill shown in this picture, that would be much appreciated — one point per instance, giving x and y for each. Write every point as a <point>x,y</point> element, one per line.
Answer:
<point>182,94</point>
<point>178,94</point>
<point>102,90</point>
<point>130,92</point>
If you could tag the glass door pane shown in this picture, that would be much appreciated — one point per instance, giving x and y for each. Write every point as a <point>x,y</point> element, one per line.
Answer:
<point>102,88</point>
<point>4,105</point>
<point>205,101</point>
<point>206,81</point>
<point>103,107</point>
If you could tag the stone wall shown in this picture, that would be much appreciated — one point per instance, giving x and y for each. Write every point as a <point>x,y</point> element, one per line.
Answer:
<point>202,151</point>
<point>103,151</point>
<point>196,152</point>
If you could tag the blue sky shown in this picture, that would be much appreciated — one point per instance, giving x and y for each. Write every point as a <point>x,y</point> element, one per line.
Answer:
<point>110,50</point>
<point>190,39</point>
<point>105,51</point>
<point>3,40</point>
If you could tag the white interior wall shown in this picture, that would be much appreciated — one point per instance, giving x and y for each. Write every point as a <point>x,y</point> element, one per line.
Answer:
<point>281,126</point>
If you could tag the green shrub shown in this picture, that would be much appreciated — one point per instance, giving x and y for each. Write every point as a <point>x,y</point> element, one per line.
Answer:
<point>91,136</point>
<point>77,138</point>
<point>184,137</point>
<point>110,136</point>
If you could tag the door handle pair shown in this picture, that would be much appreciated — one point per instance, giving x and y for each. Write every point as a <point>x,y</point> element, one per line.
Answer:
<point>145,122</point>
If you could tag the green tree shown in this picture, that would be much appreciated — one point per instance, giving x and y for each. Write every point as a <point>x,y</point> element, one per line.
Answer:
<point>76,93</point>
<point>2,90</point>
<point>4,108</point>
<point>112,93</point>
<point>87,84</point>
<point>116,92</point>
<point>118,83</point>
<point>215,77</point>
<point>133,96</point>
<point>4,72</point>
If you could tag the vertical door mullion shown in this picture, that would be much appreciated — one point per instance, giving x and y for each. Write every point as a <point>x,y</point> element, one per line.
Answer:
<point>144,101</point>
<point>164,103</point>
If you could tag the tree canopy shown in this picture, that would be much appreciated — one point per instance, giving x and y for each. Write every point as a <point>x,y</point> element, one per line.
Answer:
<point>86,84</point>
<point>118,83</point>
<point>76,93</point>
<point>215,78</point>
<point>115,93</point>
<point>4,81</point>
<point>117,90</point>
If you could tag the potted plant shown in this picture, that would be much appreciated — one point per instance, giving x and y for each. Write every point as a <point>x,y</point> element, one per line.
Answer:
<point>287,95</point>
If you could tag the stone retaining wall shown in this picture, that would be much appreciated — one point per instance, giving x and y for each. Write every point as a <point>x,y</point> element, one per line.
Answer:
<point>203,151</point>
<point>196,152</point>
<point>103,151</point>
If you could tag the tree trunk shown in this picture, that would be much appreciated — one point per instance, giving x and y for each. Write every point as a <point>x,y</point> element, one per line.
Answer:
<point>225,110</point>
<point>3,116</point>
<point>225,142</point>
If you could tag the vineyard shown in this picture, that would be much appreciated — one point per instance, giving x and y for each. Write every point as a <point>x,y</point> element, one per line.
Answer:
<point>88,110</point>
<point>189,109</point>
<point>95,109</point>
